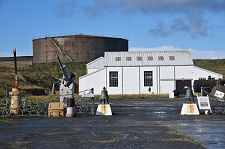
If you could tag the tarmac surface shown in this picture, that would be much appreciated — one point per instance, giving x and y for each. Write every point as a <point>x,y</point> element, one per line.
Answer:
<point>135,123</point>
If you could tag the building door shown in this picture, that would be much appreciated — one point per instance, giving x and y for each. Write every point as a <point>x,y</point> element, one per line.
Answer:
<point>180,84</point>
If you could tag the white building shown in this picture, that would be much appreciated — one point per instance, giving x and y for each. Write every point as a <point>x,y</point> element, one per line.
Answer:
<point>136,72</point>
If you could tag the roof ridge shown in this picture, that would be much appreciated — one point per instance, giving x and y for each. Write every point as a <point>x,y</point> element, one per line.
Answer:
<point>146,51</point>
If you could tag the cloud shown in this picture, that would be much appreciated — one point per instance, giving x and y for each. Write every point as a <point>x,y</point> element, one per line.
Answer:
<point>195,26</point>
<point>191,20</point>
<point>66,8</point>
<point>196,54</point>
<point>100,7</point>
<point>159,31</point>
<point>160,6</point>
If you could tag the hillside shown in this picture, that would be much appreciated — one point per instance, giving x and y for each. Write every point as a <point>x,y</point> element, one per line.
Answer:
<point>43,75</point>
<point>38,76</point>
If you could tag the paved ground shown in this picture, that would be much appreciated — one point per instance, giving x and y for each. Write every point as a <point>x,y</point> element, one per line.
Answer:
<point>136,123</point>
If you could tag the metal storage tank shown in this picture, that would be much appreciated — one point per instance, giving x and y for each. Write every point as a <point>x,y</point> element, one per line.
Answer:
<point>75,47</point>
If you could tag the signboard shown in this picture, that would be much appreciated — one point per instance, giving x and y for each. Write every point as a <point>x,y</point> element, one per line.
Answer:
<point>203,103</point>
<point>219,94</point>
<point>87,94</point>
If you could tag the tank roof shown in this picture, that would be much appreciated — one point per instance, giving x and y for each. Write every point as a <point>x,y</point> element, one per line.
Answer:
<point>80,36</point>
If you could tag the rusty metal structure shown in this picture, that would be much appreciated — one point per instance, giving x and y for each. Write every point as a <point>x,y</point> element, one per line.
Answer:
<point>75,48</point>
<point>15,99</point>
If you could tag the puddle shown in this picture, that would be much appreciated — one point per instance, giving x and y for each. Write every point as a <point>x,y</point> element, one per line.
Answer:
<point>159,112</point>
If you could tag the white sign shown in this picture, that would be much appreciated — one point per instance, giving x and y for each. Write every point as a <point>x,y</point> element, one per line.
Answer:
<point>219,94</point>
<point>203,103</point>
<point>87,94</point>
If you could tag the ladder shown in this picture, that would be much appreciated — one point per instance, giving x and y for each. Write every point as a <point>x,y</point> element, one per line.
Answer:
<point>61,49</point>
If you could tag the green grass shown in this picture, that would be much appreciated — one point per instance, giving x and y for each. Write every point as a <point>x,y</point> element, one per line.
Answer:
<point>135,96</point>
<point>2,108</point>
<point>38,76</point>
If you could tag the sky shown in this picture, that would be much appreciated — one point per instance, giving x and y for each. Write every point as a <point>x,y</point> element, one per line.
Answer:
<point>195,25</point>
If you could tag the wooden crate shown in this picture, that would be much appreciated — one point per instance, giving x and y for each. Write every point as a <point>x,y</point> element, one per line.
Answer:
<point>55,109</point>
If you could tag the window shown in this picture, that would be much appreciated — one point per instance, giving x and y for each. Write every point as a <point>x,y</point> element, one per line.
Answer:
<point>139,58</point>
<point>148,78</point>
<point>113,79</point>
<point>128,58</point>
<point>150,58</point>
<point>161,58</point>
<point>171,57</point>
<point>118,58</point>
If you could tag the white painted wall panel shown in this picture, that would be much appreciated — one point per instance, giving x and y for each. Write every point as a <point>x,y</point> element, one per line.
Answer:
<point>183,72</point>
<point>166,72</point>
<point>130,80</point>
<point>95,80</point>
<point>166,87</point>
<point>91,70</point>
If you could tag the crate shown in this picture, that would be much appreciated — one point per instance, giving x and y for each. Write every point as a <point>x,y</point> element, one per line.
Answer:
<point>56,109</point>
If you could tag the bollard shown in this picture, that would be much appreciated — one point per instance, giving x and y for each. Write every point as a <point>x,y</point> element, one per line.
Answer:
<point>14,106</point>
<point>70,107</point>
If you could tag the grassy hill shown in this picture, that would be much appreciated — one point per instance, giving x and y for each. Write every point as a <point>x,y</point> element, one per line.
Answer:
<point>43,75</point>
<point>38,76</point>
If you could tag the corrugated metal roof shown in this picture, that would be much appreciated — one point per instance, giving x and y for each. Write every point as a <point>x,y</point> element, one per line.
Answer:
<point>180,58</point>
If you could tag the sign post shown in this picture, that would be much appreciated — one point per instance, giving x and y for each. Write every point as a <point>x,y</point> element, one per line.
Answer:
<point>204,104</point>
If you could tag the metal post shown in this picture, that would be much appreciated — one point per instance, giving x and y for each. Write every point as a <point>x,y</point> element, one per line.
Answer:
<point>14,106</point>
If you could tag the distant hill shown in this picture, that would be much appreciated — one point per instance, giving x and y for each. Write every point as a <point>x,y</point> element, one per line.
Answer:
<point>43,75</point>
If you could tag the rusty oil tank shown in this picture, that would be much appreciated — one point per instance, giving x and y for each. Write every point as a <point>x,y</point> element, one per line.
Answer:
<point>75,47</point>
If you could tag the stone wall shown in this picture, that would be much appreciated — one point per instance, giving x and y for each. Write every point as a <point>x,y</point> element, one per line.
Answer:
<point>21,61</point>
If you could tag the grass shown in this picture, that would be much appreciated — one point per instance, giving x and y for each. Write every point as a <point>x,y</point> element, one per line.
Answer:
<point>134,96</point>
<point>113,97</point>
<point>43,75</point>
<point>2,108</point>
<point>38,76</point>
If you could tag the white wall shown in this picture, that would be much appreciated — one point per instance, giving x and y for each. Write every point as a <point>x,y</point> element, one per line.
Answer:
<point>184,72</point>
<point>202,73</point>
<point>166,72</point>
<point>166,87</point>
<point>96,80</point>
<point>167,79</point>
<point>143,89</point>
<point>92,70</point>
<point>130,80</point>
<point>114,90</point>
<point>194,73</point>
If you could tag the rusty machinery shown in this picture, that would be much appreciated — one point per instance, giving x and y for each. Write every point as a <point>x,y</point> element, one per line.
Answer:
<point>66,83</point>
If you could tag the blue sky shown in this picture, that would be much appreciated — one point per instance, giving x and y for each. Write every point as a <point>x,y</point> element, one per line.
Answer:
<point>196,25</point>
